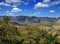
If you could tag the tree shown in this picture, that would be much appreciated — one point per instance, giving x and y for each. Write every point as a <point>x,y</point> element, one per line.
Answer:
<point>6,19</point>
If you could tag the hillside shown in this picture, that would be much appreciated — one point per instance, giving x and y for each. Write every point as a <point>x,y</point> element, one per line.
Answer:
<point>17,34</point>
<point>33,19</point>
<point>28,34</point>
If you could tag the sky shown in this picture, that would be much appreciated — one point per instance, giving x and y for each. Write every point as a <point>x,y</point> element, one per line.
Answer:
<point>39,8</point>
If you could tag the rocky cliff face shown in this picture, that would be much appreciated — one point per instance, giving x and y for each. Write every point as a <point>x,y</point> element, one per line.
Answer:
<point>33,19</point>
<point>58,21</point>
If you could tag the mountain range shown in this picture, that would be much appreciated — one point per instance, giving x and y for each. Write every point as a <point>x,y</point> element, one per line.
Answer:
<point>33,19</point>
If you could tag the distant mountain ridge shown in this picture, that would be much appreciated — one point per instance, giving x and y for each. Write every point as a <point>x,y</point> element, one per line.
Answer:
<point>33,19</point>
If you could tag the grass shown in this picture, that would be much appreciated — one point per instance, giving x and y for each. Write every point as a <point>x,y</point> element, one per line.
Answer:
<point>29,34</point>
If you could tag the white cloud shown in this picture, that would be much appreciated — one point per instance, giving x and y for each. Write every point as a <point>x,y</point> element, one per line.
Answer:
<point>46,0</point>
<point>14,6</point>
<point>15,9</point>
<point>55,2</point>
<point>8,1</point>
<point>12,1</point>
<point>52,11</point>
<point>48,3</point>
<point>10,14</point>
<point>36,13</point>
<point>4,4</point>
<point>26,3</point>
<point>41,5</point>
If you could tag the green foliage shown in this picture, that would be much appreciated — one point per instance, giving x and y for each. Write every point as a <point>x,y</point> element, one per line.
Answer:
<point>6,19</point>
<point>9,34</point>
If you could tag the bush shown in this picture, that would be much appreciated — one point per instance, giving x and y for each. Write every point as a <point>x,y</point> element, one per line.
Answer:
<point>9,34</point>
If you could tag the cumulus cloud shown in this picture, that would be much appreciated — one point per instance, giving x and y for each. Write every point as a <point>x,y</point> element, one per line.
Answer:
<point>52,11</point>
<point>10,14</point>
<point>55,2</point>
<point>41,5</point>
<point>12,1</point>
<point>14,6</point>
<point>46,0</point>
<point>4,4</point>
<point>26,3</point>
<point>36,13</point>
<point>46,3</point>
<point>15,9</point>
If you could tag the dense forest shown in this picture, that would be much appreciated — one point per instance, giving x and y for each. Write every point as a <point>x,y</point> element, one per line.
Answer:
<point>29,34</point>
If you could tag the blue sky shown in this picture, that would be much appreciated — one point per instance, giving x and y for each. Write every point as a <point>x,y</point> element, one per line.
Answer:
<point>39,8</point>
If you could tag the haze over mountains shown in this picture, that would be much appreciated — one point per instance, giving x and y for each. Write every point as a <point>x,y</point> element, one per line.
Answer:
<point>33,19</point>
